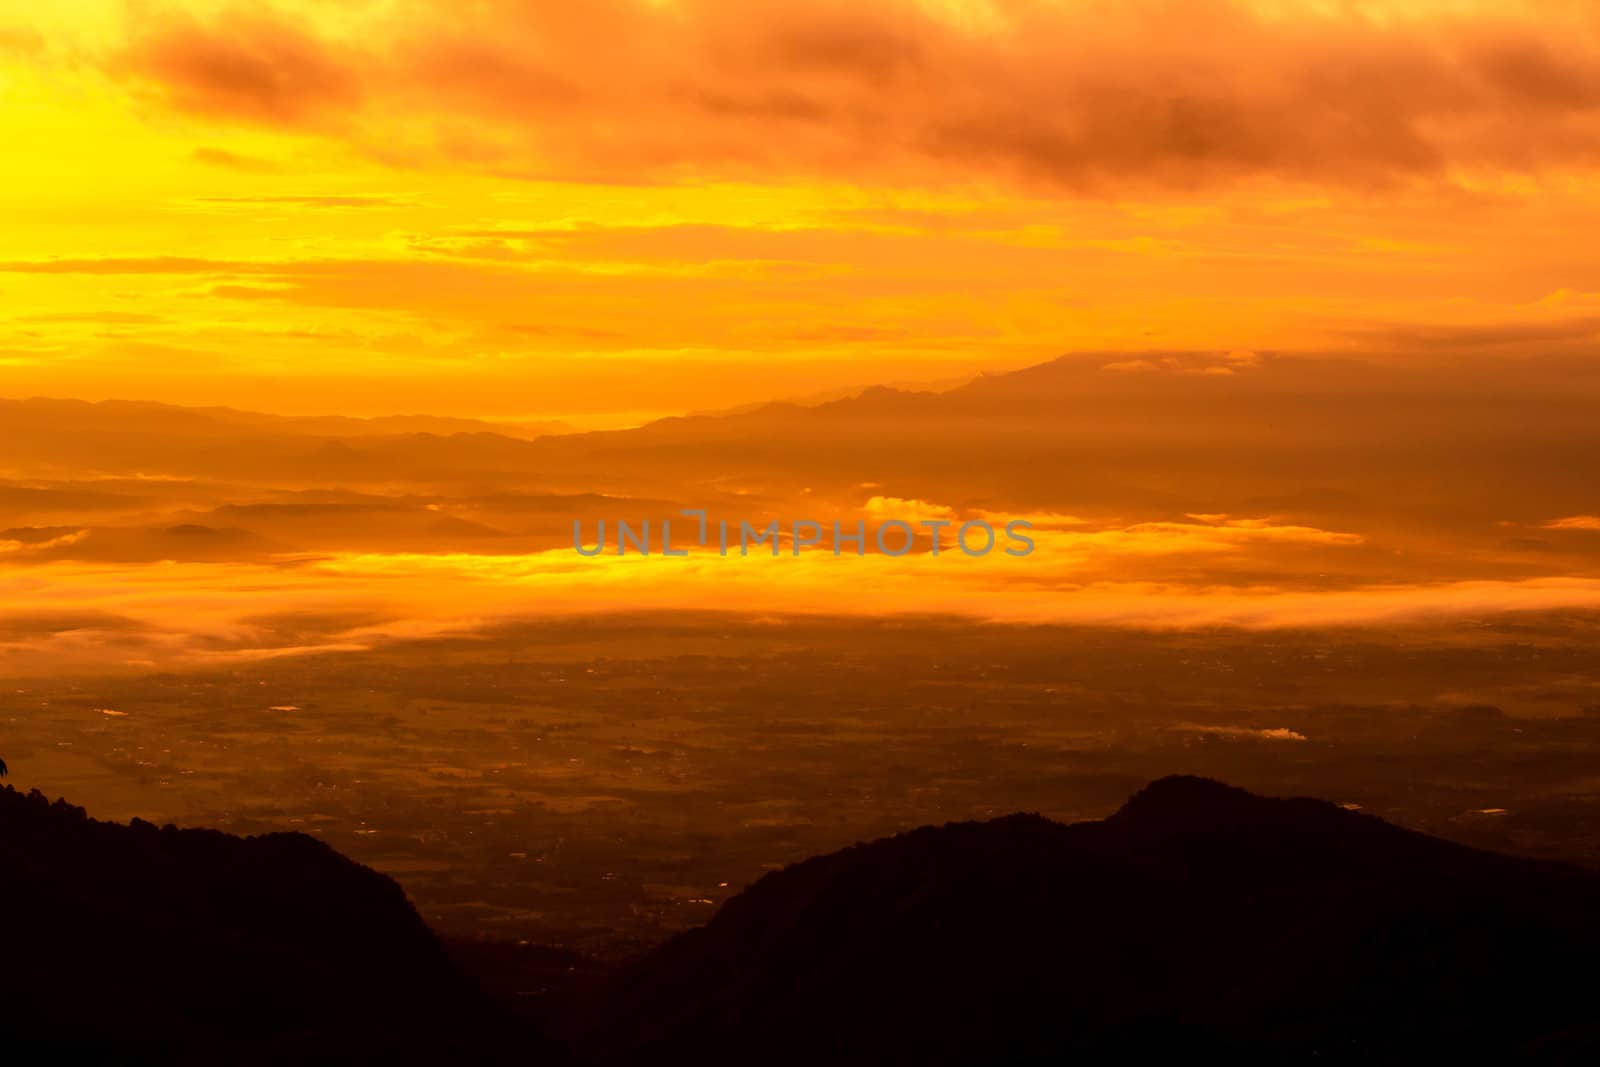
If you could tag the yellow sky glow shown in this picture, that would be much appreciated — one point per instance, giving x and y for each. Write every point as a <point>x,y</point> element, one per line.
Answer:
<point>322,207</point>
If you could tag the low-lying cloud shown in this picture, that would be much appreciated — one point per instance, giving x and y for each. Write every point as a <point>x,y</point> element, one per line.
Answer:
<point>103,618</point>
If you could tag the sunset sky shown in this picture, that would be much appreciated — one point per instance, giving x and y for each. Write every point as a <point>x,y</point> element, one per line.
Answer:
<point>575,458</point>
<point>618,208</point>
<point>1322,275</point>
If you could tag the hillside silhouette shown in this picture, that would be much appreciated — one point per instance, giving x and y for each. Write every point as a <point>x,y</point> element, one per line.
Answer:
<point>145,944</point>
<point>1198,918</point>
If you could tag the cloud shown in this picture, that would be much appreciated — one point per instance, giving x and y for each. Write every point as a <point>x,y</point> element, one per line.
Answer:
<point>104,617</point>
<point>1040,520</point>
<point>19,543</point>
<point>1271,733</point>
<point>894,507</point>
<point>20,41</point>
<point>1169,93</point>
<point>95,318</point>
<point>1575,522</point>
<point>1449,338</point>
<point>51,622</point>
<point>137,265</point>
<point>246,64</point>
<point>1167,538</point>
<point>221,157</point>
<point>324,200</point>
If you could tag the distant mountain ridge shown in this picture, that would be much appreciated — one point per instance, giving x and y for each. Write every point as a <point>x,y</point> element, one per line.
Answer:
<point>210,420</point>
<point>1394,473</point>
<point>1130,434</point>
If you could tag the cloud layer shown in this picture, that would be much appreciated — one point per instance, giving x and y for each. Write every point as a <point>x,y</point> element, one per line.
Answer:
<point>97,618</point>
<point>1175,93</point>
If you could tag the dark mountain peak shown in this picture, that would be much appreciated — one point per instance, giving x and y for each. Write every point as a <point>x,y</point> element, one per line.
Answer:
<point>872,398</point>
<point>885,392</point>
<point>1200,917</point>
<point>163,944</point>
<point>1183,802</point>
<point>1182,793</point>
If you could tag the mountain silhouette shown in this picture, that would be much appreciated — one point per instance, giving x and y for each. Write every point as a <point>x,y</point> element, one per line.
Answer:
<point>1199,919</point>
<point>1371,449</point>
<point>1185,432</point>
<point>144,944</point>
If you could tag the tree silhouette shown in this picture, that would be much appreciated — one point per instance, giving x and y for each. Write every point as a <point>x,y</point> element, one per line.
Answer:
<point>2,768</point>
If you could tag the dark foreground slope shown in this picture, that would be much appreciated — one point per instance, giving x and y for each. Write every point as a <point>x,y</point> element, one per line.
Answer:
<point>1199,918</point>
<point>137,943</point>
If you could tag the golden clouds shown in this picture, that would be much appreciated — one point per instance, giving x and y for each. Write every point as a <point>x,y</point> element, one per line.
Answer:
<point>617,209</point>
<point>1165,94</point>
<point>98,618</point>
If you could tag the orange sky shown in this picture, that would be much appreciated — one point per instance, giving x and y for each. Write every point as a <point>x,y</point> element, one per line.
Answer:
<point>620,207</point>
